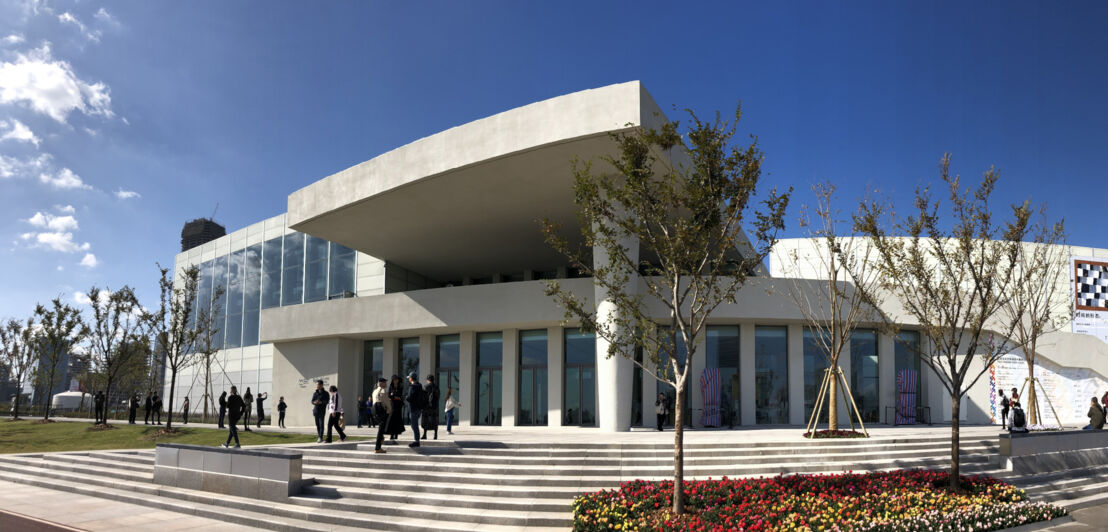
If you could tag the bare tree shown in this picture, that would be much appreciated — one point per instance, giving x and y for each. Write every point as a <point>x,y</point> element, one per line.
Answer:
<point>207,345</point>
<point>174,326</point>
<point>680,225</point>
<point>952,277</point>
<point>836,305</point>
<point>115,331</point>
<point>60,328</point>
<point>1039,302</point>
<point>17,354</point>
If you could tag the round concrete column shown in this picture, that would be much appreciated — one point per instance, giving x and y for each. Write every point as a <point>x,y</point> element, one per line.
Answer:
<point>614,374</point>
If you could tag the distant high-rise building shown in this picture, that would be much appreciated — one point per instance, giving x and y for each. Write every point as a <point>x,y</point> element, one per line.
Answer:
<point>200,231</point>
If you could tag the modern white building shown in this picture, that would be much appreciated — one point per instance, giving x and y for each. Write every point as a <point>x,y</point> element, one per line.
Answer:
<point>430,259</point>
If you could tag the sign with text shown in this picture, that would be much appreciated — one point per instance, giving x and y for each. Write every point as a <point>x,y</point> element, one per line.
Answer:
<point>1090,296</point>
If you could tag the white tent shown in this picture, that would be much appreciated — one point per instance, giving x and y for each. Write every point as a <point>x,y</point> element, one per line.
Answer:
<point>68,400</point>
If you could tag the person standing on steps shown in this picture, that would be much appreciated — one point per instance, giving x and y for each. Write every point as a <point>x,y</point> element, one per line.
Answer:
<point>319,408</point>
<point>430,414</point>
<point>382,408</point>
<point>396,398</point>
<point>1005,406</point>
<point>661,409</point>
<point>235,406</point>
<point>133,409</point>
<point>281,406</point>
<point>360,405</point>
<point>1096,416</point>
<point>158,407</point>
<point>248,400</point>
<point>149,408</point>
<point>415,400</point>
<point>185,411</point>
<point>449,406</point>
<point>222,408</point>
<point>262,396</point>
<point>334,415</point>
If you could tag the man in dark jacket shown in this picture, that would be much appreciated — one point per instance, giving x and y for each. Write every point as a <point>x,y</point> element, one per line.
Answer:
<point>98,400</point>
<point>222,408</point>
<point>319,408</point>
<point>415,402</point>
<point>158,408</point>
<point>133,409</point>
<point>149,408</point>
<point>248,400</point>
<point>235,407</point>
<point>1096,416</point>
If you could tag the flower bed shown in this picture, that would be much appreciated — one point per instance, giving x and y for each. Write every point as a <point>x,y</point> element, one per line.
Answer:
<point>821,434</point>
<point>908,500</point>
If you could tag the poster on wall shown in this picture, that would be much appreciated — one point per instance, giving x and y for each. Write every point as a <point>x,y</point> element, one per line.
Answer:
<point>1090,296</point>
<point>1069,389</point>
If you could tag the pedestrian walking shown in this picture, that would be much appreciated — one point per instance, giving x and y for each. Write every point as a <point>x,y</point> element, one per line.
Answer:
<point>235,407</point>
<point>396,412</point>
<point>281,406</point>
<point>319,407</point>
<point>360,405</point>
<point>334,415</point>
<point>449,405</point>
<point>98,402</point>
<point>248,400</point>
<point>1005,406</point>
<point>382,408</point>
<point>149,408</point>
<point>416,400</point>
<point>370,411</point>
<point>1096,416</point>
<point>661,409</point>
<point>158,407</point>
<point>430,414</point>
<point>262,396</point>
<point>132,409</point>
<point>185,411</point>
<point>222,408</point>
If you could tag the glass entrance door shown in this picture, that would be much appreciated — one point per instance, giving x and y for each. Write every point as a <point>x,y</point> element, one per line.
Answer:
<point>490,353</point>
<point>580,379</point>
<point>447,356</point>
<point>533,391</point>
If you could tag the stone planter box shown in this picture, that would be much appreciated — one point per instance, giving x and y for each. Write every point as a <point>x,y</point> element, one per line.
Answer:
<point>1045,452</point>
<point>272,474</point>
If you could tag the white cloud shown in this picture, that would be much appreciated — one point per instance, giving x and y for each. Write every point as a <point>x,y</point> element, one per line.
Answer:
<point>103,16</point>
<point>50,87</point>
<point>61,268</point>
<point>69,18</point>
<point>65,179</point>
<point>81,298</point>
<point>13,167</point>
<point>15,38</point>
<point>59,241</point>
<point>91,132</point>
<point>19,132</point>
<point>53,223</point>
<point>89,261</point>
<point>65,209</point>
<point>127,194</point>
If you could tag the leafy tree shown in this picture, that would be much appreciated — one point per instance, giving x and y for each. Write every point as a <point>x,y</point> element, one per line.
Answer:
<point>952,277</point>
<point>174,327</point>
<point>115,331</point>
<point>17,354</point>
<point>59,328</point>
<point>675,213</point>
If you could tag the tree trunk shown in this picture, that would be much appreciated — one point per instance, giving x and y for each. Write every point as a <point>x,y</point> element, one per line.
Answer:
<point>107,400</point>
<point>955,456</point>
<point>1032,401</point>
<point>18,394</point>
<point>679,450</point>
<point>46,401</point>
<point>833,400</point>
<point>172,391</point>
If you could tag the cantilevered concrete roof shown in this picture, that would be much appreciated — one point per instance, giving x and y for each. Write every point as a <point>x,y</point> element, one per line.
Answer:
<point>466,201</point>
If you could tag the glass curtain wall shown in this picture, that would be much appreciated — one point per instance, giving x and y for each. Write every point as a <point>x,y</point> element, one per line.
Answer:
<point>219,299</point>
<point>235,281</point>
<point>373,359</point>
<point>251,301</point>
<point>907,363</point>
<point>271,273</point>
<point>340,281</point>
<point>315,269</point>
<point>815,365</point>
<point>863,373</point>
<point>447,357</point>
<point>490,359</point>
<point>533,392</point>
<point>580,379</point>
<point>771,375</point>
<point>723,353</point>
<point>292,277</point>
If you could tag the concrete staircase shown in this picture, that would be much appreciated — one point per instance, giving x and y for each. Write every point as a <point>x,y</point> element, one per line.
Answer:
<point>490,486</point>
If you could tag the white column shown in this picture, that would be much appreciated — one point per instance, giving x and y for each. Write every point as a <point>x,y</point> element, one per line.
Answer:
<point>699,360</point>
<point>886,369</point>
<point>509,395</point>
<point>747,386</point>
<point>649,395</point>
<point>555,374</point>
<point>613,374</point>
<point>796,374</point>
<point>467,374</point>
<point>426,356</point>
<point>390,349</point>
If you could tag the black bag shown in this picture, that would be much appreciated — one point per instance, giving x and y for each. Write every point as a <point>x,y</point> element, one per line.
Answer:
<point>1018,419</point>
<point>1005,403</point>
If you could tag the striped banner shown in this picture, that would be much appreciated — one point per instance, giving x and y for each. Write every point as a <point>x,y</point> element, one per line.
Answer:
<point>709,388</point>
<point>906,393</point>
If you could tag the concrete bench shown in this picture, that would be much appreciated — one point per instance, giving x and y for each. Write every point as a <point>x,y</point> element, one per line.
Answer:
<point>271,474</point>
<point>1044,452</point>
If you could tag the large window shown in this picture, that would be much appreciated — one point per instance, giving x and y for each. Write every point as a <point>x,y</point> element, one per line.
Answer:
<point>251,294</point>
<point>907,363</point>
<point>863,373</point>
<point>490,358</point>
<point>771,375</point>
<point>315,269</point>
<point>219,301</point>
<point>532,378</point>
<point>292,278</point>
<point>372,366</point>
<point>580,378</point>
<point>341,276</point>
<point>271,273</point>
<point>447,358</point>
<point>723,353</point>
<point>815,366</point>
<point>235,280</point>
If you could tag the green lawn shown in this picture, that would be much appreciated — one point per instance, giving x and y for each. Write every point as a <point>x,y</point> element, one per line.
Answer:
<point>29,436</point>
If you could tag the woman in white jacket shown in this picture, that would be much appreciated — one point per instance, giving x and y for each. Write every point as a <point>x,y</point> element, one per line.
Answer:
<point>449,407</point>
<point>334,414</point>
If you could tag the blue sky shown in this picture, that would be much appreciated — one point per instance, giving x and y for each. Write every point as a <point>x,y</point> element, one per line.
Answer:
<point>120,121</point>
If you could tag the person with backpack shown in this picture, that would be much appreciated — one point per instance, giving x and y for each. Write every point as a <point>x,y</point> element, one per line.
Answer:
<point>415,400</point>
<point>1017,422</point>
<point>449,405</point>
<point>430,419</point>
<point>235,406</point>
<point>1096,416</point>
<point>1004,408</point>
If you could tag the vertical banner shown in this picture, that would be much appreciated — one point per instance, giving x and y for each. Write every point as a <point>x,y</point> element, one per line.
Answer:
<point>1089,289</point>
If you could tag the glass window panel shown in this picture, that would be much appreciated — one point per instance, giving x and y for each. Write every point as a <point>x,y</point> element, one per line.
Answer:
<point>572,398</point>
<point>252,265</point>
<point>271,273</point>
<point>341,277</point>
<point>292,279</point>
<point>235,280</point>
<point>771,375</point>
<point>489,349</point>
<point>907,362</point>
<point>409,358</point>
<point>863,373</point>
<point>588,397</point>
<point>580,347</point>
<point>315,277</point>
<point>542,392</point>
<point>723,353</point>
<point>815,364</point>
<point>484,381</point>
<point>526,397</point>
<point>219,304</point>
<point>372,364</point>
<point>447,351</point>
<point>532,348</point>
